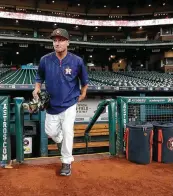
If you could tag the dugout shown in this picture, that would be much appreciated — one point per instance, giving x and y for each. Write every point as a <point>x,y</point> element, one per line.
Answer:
<point>97,92</point>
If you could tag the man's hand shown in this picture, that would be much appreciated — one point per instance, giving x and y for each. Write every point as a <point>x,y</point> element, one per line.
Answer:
<point>83,93</point>
<point>81,97</point>
<point>35,93</point>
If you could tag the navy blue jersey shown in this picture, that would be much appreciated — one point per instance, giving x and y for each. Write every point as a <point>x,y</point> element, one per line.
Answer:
<point>62,80</point>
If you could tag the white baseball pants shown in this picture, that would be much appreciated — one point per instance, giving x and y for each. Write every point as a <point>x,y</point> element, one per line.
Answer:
<point>60,128</point>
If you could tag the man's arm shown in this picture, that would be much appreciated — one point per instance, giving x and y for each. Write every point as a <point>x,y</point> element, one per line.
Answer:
<point>38,85</point>
<point>83,92</point>
<point>36,90</point>
<point>84,81</point>
<point>40,77</point>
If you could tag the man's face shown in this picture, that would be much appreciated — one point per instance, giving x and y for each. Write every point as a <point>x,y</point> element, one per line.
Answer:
<point>60,44</point>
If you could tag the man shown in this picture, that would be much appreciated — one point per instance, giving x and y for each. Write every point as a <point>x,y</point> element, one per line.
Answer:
<point>63,73</point>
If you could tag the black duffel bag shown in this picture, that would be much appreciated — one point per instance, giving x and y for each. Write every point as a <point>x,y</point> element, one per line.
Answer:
<point>139,140</point>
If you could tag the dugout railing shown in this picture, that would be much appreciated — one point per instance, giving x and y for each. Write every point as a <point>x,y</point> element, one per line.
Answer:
<point>112,108</point>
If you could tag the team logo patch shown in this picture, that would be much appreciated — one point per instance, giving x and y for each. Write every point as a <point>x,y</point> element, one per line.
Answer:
<point>68,71</point>
<point>57,32</point>
<point>170,144</point>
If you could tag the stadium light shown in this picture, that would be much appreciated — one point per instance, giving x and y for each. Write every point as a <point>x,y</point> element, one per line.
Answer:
<point>90,64</point>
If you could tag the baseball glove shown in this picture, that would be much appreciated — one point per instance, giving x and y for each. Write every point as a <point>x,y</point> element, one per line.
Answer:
<point>38,105</point>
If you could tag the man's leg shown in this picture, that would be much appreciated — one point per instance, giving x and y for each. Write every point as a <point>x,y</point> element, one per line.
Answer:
<point>53,128</point>
<point>68,119</point>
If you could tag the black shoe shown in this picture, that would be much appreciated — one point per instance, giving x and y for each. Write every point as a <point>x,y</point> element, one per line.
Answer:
<point>59,145</point>
<point>65,170</point>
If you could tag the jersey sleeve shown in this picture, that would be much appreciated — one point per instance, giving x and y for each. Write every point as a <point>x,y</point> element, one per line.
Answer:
<point>83,74</point>
<point>40,75</point>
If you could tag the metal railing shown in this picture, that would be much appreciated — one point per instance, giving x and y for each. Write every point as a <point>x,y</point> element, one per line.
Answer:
<point>112,124</point>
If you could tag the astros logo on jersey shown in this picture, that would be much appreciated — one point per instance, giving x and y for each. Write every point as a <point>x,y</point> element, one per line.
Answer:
<point>68,71</point>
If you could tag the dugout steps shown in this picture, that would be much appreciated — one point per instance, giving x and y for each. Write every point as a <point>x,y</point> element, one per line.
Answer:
<point>55,159</point>
<point>82,145</point>
<point>99,138</point>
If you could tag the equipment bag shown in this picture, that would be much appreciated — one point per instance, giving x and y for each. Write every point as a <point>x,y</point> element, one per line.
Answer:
<point>139,140</point>
<point>163,142</point>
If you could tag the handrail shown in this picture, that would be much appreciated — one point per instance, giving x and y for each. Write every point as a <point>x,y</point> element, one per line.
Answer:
<point>102,105</point>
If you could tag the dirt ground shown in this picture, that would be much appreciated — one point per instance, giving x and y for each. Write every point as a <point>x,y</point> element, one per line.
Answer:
<point>109,177</point>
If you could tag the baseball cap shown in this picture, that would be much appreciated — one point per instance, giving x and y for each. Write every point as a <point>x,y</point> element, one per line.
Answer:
<point>60,32</point>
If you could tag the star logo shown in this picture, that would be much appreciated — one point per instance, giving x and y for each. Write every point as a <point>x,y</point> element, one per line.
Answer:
<point>68,71</point>
<point>57,32</point>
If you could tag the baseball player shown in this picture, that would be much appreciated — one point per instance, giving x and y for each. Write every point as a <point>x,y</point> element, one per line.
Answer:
<point>63,73</point>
